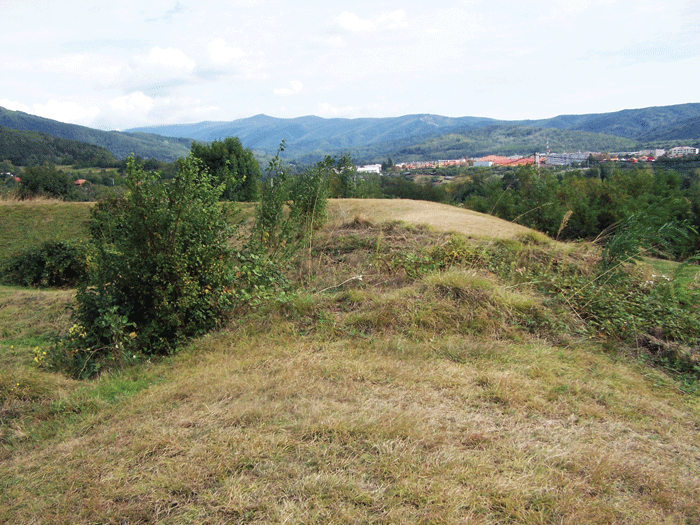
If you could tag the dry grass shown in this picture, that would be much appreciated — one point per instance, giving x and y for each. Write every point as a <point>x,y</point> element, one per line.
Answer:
<point>441,217</point>
<point>386,400</point>
<point>281,428</point>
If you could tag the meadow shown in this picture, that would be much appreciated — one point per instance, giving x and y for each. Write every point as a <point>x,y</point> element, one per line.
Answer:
<point>421,372</point>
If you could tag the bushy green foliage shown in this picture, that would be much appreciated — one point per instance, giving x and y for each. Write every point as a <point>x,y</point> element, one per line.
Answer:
<point>269,230</point>
<point>400,188</point>
<point>641,233</point>
<point>232,166</point>
<point>45,181</point>
<point>540,199</point>
<point>160,271</point>
<point>51,264</point>
<point>308,192</point>
<point>305,195</point>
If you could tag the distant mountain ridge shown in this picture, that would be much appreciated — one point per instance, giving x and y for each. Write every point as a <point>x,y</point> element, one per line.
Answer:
<point>645,124</point>
<point>407,137</point>
<point>376,138</point>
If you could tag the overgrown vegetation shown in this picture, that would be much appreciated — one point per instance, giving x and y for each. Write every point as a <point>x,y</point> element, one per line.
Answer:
<point>159,272</point>
<point>414,376</point>
<point>540,199</point>
<point>56,264</point>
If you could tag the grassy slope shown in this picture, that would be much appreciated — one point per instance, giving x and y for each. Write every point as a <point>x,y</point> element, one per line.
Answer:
<point>27,223</point>
<point>439,216</point>
<point>384,401</point>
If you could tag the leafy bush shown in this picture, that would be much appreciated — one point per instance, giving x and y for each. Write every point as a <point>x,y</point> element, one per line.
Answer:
<point>161,271</point>
<point>44,181</point>
<point>53,264</point>
<point>308,193</point>
<point>270,231</point>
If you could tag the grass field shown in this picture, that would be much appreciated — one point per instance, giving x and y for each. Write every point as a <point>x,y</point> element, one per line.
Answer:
<point>439,397</point>
<point>27,223</point>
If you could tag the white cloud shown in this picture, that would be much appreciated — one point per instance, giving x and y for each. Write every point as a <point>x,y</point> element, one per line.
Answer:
<point>66,112</point>
<point>294,87</point>
<point>135,102</point>
<point>13,105</point>
<point>328,110</point>
<point>395,19</point>
<point>220,51</point>
<point>171,58</point>
<point>352,22</point>
<point>138,109</point>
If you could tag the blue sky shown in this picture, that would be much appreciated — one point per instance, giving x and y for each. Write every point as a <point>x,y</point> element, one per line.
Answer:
<point>131,63</point>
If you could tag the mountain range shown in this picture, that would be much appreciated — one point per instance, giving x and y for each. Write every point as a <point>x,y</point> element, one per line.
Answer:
<point>409,137</point>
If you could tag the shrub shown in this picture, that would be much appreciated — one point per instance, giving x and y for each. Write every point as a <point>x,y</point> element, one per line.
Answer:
<point>161,271</point>
<point>52,264</point>
<point>44,180</point>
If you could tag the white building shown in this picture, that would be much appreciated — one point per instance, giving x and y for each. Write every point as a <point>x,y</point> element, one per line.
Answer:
<point>683,150</point>
<point>370,168</point>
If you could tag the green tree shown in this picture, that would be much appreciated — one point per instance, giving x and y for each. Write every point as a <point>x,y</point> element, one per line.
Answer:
<point>232,165</point>
<point>44,180</point>
<point>342,176</point>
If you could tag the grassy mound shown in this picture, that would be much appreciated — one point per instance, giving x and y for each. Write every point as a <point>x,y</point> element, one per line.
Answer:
<point>415,376</point>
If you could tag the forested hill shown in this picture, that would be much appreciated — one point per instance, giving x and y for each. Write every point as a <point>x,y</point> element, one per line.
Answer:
<point>316,136</point>
<point>510,140</point>
<point>371,139</point>
<point>24,148</point>
<point>680,122</point>
<point>409,137</point>
<point>120,144</point>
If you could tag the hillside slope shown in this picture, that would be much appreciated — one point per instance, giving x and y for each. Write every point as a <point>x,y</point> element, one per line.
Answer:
<point>638,124</point>
<point>511,140</point>
<point>120,144</point>
<point>440,217</point>
<point>35,147</point>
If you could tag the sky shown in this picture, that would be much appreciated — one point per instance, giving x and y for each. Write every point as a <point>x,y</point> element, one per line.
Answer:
<point>126,63</point>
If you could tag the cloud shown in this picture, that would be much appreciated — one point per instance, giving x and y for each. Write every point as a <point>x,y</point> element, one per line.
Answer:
<point>135,102</point>
<point>13,105</point>
<point>294,87</point>
<point>394,19</point>
<point>328,110</point>
<point>66,112</point>
<point>170,58</point>
<point>161,68</point>
<point>62,111</point>
<point>219,51</point>
<point>138,109</point>
<point>352,22</point>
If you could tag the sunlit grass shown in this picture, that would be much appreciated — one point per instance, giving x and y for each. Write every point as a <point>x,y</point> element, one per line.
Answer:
<point>446,397</point>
